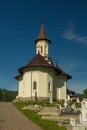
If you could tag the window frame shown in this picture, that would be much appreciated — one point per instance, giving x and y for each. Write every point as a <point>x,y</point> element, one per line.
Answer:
<point>49,87</point>
<point>34,85</point>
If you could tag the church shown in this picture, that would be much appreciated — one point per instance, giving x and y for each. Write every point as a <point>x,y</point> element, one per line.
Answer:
<point>40,79</point>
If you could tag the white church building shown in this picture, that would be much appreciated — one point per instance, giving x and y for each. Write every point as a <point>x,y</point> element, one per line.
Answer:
<point>40,77</point>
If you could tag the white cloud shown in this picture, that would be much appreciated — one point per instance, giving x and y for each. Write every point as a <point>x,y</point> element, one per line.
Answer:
<point>70,34</point>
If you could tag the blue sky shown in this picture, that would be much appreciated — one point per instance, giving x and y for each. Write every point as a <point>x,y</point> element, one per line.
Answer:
<point>66,26</point>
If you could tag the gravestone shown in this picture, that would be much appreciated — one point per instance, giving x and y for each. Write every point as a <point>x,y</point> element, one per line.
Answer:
<point>83,115</point>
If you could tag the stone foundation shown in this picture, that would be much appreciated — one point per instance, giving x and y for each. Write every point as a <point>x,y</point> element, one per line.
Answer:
<point>26,99</point>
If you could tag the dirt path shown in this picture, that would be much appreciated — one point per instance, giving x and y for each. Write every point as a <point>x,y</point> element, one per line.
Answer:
<point>12,119</point>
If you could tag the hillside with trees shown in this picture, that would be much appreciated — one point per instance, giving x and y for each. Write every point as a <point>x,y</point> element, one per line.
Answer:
<point>7,95</point>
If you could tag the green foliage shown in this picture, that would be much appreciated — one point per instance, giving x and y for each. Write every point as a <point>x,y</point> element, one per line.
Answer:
<point>61,103</point>
<point>85,93</point>
<point>78,104</point>
<point>80,96</point>
<point>7,95</point>
<point>44,124</point>
<point>42,103</point>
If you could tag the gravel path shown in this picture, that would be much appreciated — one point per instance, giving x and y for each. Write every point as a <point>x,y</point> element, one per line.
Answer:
<point>12,119</point>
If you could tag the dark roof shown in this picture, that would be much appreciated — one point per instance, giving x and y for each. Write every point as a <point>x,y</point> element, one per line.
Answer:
<point>17,77</point>
<point>63,73</point>
<point>70,91</point>
<point>39,61</point>
<point>42,35</point>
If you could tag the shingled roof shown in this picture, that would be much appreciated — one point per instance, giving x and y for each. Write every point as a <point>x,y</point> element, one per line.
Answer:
<point>42,35</point>
<point>39,61</point>
<point>63,73</point>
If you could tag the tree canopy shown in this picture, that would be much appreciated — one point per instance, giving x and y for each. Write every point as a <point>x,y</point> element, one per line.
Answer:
<point>7,95</point>
<point>85,93</point>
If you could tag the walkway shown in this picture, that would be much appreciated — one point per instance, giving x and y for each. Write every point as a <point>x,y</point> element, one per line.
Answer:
<point>12,119</point>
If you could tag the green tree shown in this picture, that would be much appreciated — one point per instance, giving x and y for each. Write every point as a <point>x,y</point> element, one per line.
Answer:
<point>1,95</point>
<point>85,93</point>
<point>7,95</point>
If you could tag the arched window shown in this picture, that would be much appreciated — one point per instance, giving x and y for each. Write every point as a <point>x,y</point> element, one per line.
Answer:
<point>49,87</point>
<point>34,85</point>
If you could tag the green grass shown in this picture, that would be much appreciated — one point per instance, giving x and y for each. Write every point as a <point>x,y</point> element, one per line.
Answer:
<point>32,115</point>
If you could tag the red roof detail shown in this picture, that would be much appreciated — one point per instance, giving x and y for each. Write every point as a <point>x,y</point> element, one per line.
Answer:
<point>42,35</point>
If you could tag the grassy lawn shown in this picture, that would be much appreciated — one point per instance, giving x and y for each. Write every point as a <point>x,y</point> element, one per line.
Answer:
<point>32,115</point>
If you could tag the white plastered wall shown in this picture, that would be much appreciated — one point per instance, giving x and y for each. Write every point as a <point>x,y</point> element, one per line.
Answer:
<point>21,89</point>
<point>61,87</point>
<point>50,80</point>
<point>41,77</point>
<point>45,47</point>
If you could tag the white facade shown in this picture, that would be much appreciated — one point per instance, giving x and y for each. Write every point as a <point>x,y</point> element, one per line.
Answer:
<point>42,79</point>
<point>42,47</point>
<point>46,84</point>
<point>61,87</point>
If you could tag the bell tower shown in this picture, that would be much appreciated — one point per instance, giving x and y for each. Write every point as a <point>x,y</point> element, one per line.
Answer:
<point>42,43</point>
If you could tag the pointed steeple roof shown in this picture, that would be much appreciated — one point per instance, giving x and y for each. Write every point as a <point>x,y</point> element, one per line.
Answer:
<point>42,35</point>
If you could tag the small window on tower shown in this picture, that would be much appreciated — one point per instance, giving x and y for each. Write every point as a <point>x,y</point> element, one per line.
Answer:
<point>34,85</point>
<point>45,49</point>
<point>41,49</point>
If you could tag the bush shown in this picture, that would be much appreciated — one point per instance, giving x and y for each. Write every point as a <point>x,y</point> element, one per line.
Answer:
<point>78,105</point>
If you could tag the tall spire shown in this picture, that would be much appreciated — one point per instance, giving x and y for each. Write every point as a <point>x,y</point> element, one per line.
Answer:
<point>42,35</point>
